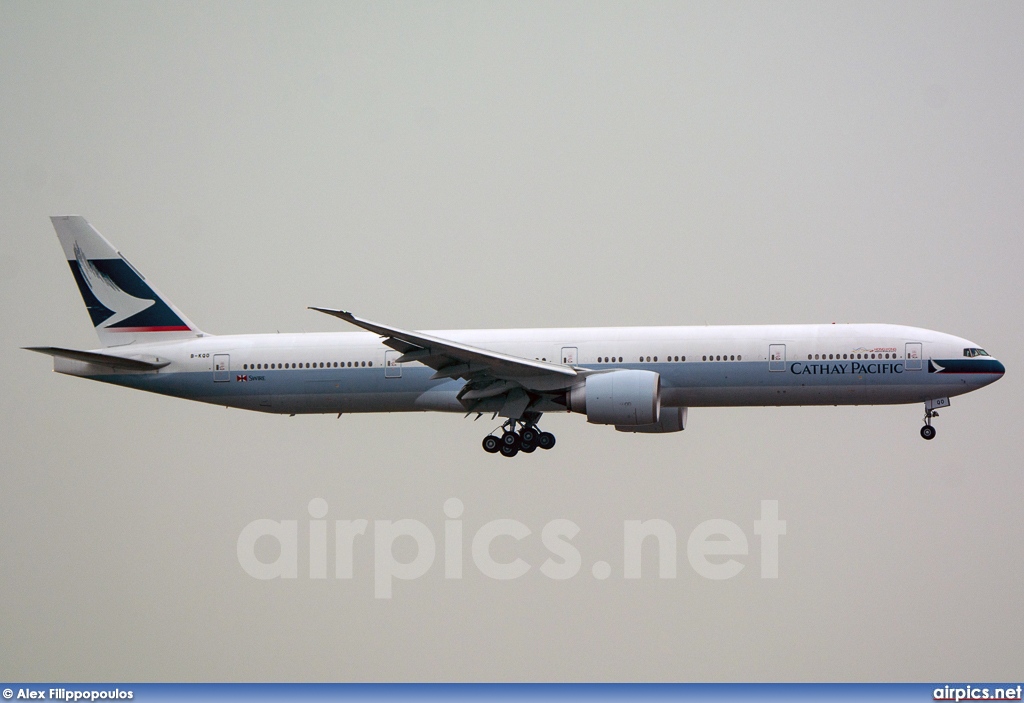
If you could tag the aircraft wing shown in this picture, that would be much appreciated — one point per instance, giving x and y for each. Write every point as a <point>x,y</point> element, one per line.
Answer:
<point>507,383</point>
<point>456,360</point>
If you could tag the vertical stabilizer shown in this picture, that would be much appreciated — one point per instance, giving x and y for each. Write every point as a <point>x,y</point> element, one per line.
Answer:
<point>124,308</point>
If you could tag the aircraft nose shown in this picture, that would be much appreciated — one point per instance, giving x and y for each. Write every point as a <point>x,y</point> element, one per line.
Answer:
<point>999,368</point>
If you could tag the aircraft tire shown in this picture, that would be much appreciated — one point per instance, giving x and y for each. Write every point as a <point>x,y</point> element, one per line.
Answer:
<point>545,440</point>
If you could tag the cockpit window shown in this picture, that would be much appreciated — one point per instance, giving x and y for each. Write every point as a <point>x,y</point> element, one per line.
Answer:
<point>974,351</point>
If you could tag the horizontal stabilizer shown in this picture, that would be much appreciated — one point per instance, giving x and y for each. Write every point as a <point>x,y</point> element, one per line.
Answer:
<point>102,359</point>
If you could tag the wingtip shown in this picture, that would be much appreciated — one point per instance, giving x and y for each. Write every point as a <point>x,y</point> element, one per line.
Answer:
<point>330,311</point>
<point>343,314</point>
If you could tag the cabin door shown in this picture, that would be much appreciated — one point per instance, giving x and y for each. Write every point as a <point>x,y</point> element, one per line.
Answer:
<point>221,367</point>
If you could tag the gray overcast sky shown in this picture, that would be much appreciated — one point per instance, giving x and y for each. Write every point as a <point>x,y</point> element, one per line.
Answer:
<point>442,165</point>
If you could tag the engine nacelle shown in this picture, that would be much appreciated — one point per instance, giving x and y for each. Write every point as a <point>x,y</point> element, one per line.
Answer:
<point>625,397</point>
<point>671,420</point>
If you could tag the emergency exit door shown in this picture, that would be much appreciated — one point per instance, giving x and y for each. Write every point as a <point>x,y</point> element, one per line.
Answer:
<point>392,369</point>
<point>221,367</point>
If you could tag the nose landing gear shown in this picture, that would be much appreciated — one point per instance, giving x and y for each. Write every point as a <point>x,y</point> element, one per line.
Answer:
<point>527,439</point>
<point>928,432</point>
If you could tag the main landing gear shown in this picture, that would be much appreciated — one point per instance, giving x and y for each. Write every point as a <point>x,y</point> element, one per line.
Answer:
<point>511,442</point>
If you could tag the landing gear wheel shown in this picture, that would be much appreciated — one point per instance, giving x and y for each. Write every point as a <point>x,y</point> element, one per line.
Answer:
<point>928,432</point>
<point>528,448</point>
<point>545,440</point>
<point>528,435</point>
<point>491,444</point>
<point>511,439</point>
<point>509,450</point>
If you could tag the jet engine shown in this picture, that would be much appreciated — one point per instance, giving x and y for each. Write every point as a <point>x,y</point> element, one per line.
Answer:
<point>625,397</point>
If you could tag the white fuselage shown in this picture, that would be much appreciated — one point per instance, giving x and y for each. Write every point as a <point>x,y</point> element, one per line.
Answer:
<point>844,364</point>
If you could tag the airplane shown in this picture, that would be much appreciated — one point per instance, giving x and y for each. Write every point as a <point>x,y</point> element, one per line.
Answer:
<point>636,379</point>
